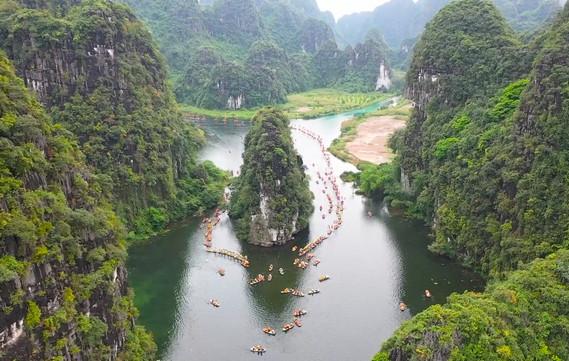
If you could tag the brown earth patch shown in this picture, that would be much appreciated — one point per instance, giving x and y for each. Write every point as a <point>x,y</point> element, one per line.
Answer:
<point>370,143</point>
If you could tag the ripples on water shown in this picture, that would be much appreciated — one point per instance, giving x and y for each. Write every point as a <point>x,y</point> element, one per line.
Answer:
<point>374,263</point>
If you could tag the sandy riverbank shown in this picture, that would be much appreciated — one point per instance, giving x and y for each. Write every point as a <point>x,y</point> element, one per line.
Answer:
<point>370,142</point>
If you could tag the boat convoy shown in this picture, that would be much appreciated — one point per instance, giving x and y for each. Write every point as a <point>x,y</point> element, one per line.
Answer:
<point>306,257</point>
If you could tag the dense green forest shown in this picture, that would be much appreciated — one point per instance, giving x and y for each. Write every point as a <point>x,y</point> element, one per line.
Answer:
<point>524,317</point>
<point>483,161</point>
<point>62,280</point>
<point>245,53</point>
<point>271,200</point>
<point>402,21</point>
<point>96,68</point>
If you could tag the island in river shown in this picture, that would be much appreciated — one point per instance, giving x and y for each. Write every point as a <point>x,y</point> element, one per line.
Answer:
<point>374,263</point>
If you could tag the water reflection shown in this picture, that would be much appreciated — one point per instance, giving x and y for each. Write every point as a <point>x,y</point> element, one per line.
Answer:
<point>374,262</point>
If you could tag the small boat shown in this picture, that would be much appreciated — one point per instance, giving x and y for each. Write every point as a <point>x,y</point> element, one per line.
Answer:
<point>269,331</point>
<point>221,272</point>
<point>287,327</point>
<point>324,278</point>
<point>295,262</point>
<point>402,306</point>
<point>313,292</point>
<point>297,293</point>
<point>214,303</point>
<point>258,349</point>
<point>294,248</point>
<point>270,268</point>
<point>299,313</point>
<point>309,256</point>
<point>316,262</point>
<point>286,291</point>
<point>281,271</point>
<point>297,322</point>
<point>428,294</point>
<point>270,277</point>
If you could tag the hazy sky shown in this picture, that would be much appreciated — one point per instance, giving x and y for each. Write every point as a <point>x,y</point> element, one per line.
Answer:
<point>343,7</point>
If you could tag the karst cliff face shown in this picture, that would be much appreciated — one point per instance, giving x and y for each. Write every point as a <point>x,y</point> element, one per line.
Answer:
<point>96,69</point>
<point>63,291</point>
<point>271,200</point>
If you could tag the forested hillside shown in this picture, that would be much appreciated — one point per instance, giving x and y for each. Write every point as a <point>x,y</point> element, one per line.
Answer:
<point>487,173</point>
<point>402,21</point>
<point>63,290</point>
<point>521,318</point>
<point>484,162</point>
<point>96,68</point>
<point>246,53</point>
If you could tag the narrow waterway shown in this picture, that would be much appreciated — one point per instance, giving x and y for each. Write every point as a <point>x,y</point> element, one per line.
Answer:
<point>375,262</point>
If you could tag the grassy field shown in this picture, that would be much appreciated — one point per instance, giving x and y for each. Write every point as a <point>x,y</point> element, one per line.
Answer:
<point>311,104</point>
<point>350,129</point>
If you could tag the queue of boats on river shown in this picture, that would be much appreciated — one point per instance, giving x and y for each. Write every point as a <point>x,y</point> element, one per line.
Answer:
<point>335,206</point>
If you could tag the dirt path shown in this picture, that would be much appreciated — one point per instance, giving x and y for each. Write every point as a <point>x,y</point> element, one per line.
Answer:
<point>370,143</point>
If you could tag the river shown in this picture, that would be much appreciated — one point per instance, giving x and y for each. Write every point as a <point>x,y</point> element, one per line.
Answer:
<point>375,262</point>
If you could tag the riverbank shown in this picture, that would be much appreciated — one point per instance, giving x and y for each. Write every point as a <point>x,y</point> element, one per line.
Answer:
<point>174,278</point>
<point>308,105</point>
<point>366,138</point>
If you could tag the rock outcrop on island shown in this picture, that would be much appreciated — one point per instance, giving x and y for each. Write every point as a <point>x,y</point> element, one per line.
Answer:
<point>271,199</point>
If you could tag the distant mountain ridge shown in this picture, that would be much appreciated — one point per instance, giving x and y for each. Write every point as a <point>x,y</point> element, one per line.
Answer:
<point>246,53</point>
<point>400,20</point>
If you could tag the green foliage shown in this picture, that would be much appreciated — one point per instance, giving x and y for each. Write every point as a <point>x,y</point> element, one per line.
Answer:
<point>10,268</point>
<point>244,54</point>
<point>377,181</point>
<point>403,21</point>
<point>53,214</point>
<point>139,346</point>
<point>33,317</point>
<point>272,191</point>
<point>122,114</point>
<point>455,148</point>
<point>499,203</point>
<point>509,100</point>
<point>306,105</point>
<point>444,146</point>
<point>523,317</point>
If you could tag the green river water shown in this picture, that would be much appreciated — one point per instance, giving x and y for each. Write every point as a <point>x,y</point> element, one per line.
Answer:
<point>375,262</point>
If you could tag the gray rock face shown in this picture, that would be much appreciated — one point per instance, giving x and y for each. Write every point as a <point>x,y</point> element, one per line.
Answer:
<point>262,234</point>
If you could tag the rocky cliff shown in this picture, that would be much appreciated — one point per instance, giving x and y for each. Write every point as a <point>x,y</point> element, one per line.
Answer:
<point>271,200</point>
<point>63,290</point>
<point>95,66</point>
<point>497,183</point>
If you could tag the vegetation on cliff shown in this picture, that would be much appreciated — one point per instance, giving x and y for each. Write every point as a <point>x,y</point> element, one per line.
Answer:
<point>97,69</point>
<point>271,199</point>
<point>403,21</point>
<point>524,317</point>
<point>485,163</point>
<point>62,280</point>
<point>248,53</point>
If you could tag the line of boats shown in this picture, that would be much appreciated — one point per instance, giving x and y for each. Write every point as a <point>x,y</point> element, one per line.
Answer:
<point>335,205</point>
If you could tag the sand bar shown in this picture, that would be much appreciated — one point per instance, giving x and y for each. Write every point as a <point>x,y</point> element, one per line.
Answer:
<point>370,143</point>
